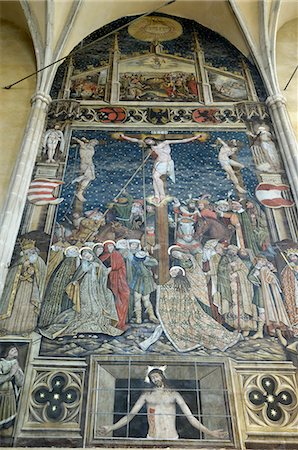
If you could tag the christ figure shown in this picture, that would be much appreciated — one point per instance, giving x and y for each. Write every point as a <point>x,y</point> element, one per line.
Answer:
<point>161,404</point>
<point>163,164</point>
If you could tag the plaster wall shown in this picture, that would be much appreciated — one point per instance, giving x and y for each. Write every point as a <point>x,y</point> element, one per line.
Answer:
<point>286,58</point>
<point>17,61</point>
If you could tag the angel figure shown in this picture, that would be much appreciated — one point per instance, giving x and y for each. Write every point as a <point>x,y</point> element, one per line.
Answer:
<point>52,138</point>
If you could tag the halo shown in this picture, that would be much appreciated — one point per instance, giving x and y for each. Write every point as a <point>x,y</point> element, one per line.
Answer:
<point>71,246</point>
<point>150,368</point>
<point>109,241</point>
<point>98,244</point>
<point>85,248</point>
<point>180,268</point>
<point>176,247</point>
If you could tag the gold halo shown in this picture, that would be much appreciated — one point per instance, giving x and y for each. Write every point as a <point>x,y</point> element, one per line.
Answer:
<point>176,247</point>
<point>155,29</point>
<point>109,241</point>
<point>71,246</point>
<point>178,267</point>
<point>85,248</point>
<point>97,244</point>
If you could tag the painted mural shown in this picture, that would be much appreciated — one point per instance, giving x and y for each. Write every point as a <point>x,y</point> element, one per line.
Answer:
<point>157,246</point>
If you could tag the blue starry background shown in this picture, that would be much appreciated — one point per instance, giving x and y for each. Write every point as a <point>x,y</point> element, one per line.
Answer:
<point>197,169</point>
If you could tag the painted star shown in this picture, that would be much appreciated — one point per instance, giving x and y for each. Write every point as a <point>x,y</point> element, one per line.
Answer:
<point>273,412</point>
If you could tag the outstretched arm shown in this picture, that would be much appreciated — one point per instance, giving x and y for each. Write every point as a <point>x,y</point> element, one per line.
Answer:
<point>126,419</point>
<point>78,140</point>
<point>222,142</point>
<point>130,139</point>
<point>195,422</point>
<point>182,141</point>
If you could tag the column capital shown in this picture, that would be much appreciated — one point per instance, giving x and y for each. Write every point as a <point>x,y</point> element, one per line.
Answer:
<point>275,99</point>
<point>45,98</point>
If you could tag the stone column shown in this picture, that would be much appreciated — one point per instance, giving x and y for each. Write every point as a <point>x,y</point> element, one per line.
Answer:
<point>286,138</point>
<point>21,178</point>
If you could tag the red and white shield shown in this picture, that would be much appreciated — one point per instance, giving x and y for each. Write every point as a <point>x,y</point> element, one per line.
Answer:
<point>270,195</point>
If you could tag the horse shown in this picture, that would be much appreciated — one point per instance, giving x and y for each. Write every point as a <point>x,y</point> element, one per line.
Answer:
<point>116,231</point>
<point>186,236</point>
<point>213,229</point>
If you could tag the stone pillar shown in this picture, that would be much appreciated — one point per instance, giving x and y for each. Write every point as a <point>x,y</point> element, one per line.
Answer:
<point>286,139</point>
<point>201,72</point>
<point>21,178</point>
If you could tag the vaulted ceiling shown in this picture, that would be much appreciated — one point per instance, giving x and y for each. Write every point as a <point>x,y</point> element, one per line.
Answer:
<point>57,26</point>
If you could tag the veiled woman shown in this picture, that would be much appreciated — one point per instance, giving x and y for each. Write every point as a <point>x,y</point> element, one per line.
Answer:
<point>55,299</point>
<point>184,322</point>
<point>194,273</point>
<point>93,309</point>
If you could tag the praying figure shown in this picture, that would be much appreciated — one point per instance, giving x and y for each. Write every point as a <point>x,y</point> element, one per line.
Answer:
<point>163,163</point>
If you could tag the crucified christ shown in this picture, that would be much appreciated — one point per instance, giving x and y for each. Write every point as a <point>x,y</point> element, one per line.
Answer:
<point>163,164</point>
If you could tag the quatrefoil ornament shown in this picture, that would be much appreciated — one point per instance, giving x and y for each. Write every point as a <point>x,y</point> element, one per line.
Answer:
<point>56,397</point>
<point>271,398</point>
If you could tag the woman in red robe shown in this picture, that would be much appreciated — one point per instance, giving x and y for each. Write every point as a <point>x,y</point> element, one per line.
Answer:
<point>117,281</point>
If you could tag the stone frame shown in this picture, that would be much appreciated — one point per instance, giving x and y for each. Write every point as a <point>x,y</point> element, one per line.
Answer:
<point>92,437</point>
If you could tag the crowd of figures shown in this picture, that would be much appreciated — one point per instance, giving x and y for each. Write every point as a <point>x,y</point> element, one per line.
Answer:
<point>167,86</point>
<point>226,280</point>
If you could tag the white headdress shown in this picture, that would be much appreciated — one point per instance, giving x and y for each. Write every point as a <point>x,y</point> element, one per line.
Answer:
<point>150,368</point>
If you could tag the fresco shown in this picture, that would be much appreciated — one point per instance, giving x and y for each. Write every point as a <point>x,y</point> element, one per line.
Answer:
<point>165,86</point>
<point>91,87</point>
<point>157,250</point>
<point>12,367</point>
<point>225,88</point>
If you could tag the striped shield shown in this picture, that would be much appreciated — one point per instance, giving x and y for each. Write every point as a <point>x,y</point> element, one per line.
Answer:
<point>41,192</point>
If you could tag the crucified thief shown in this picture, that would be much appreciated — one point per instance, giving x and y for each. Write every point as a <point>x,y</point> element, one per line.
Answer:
<point>163,164</point>
<point>87,172</point>
<point>161,404</point>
